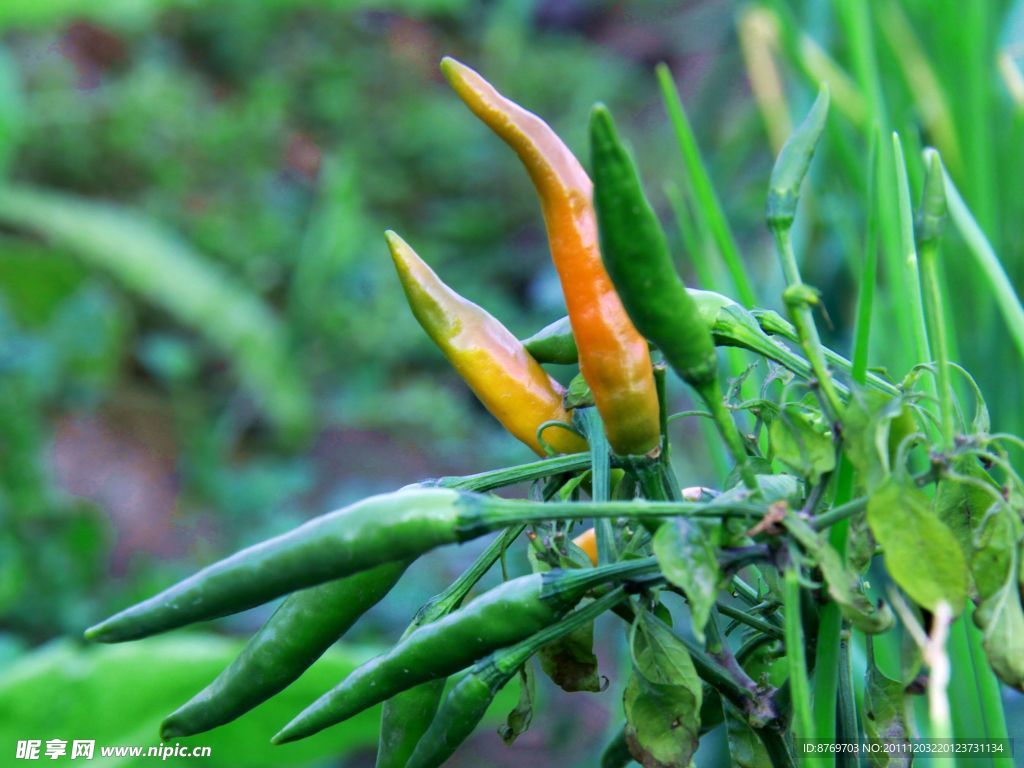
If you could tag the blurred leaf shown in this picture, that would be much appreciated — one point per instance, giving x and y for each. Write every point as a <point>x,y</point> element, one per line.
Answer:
<point>960,502</point>
<point>921,554</point>
<point>802,442</point>
<point>745,748</point>
<point>164,270</point>
<point>843,585</point>
<point>578,394</point>
<point>998,553</point>
<point>662,698</point>
<point>688,555</point>
<point>521,716</point>
<point>874,425</point>
<point>34,280</point>
<point>885,710</point>
<point>571,663</point>
<point>118,695</point>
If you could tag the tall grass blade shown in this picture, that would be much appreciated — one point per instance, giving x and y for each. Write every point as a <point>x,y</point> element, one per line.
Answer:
<point>978,245</point>
<point>704,192</point>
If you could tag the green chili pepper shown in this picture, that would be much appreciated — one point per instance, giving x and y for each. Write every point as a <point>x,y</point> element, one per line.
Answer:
<point>305,625</point>
<point>381,529</point>
<point>391,527</point>
<point>468,701</point>
<point>731,325</point>
<point>554,343</point>
<point>792,165</point>
<point>636,256</point>
<point>405,717</point>
<point>504,615</point>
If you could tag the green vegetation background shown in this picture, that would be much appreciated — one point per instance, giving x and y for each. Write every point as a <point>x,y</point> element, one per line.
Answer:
<point>225,351</point>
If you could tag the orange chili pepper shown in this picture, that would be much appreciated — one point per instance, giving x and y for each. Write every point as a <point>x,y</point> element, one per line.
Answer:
<point>587,541</point>
<point>492,361</point>
<point>614,358</point>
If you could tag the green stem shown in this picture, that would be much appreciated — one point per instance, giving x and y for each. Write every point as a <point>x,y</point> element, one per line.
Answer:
<point>711,393</point>
<point>777,746</point>
<point>908,247</point>
<point>599,481</point>
<point>803,319</point>
<point>492,512</point>
<point>838,514</point>
<point>751,621</point>
<point>848,732</point>
<point>826,673</point>
<point>937,339</point>
<point>669,479</point>
<point>988,687</point>
<point>511,658</point>
<point>447,601</point>
<point>803,723</point>
<point>499,478</point>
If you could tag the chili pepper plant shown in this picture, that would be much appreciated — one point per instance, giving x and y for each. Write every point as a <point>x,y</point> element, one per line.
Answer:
<point>862,516</point>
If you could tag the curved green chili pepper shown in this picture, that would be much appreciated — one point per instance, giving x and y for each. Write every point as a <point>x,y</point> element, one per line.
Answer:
<point>468,701</point>
<point>554,343</point>
<point>381,529</point>
<point>636,255</point>
<point>391,527</point>
<point>305,625</point>
<point>792,165</point>
<point>637,258</point>
<point>503,616</point>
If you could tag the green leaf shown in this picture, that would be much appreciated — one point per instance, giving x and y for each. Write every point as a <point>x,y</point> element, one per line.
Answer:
<point>578,395</point>
<point>802,442</point>
<point>688,555</point>
<point>885,710</point>
<point>844,586</point>
<point>860,544</point>
<point>521,716</point>
<point>117,695</point>
<point>662,698</point>
<point>616,753</point>
<point>921,552</point>
<point>772,488</point>
<point>874,425</point>
<point>157,265</point>
<point>961,501</point>
<point>745,747</point>
<point>570,662</point>
<point>999,551</point>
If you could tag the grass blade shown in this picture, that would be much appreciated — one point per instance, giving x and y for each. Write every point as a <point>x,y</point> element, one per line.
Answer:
<point>704,192</point>
<point>979,246</point>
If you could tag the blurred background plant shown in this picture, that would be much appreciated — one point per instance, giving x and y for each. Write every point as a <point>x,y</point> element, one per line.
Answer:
<point>201,337</point>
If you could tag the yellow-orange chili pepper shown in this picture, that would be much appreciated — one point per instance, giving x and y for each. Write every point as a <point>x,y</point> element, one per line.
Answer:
<point>614,358</point>
<point>492,361</point>
<point>587,541</point>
